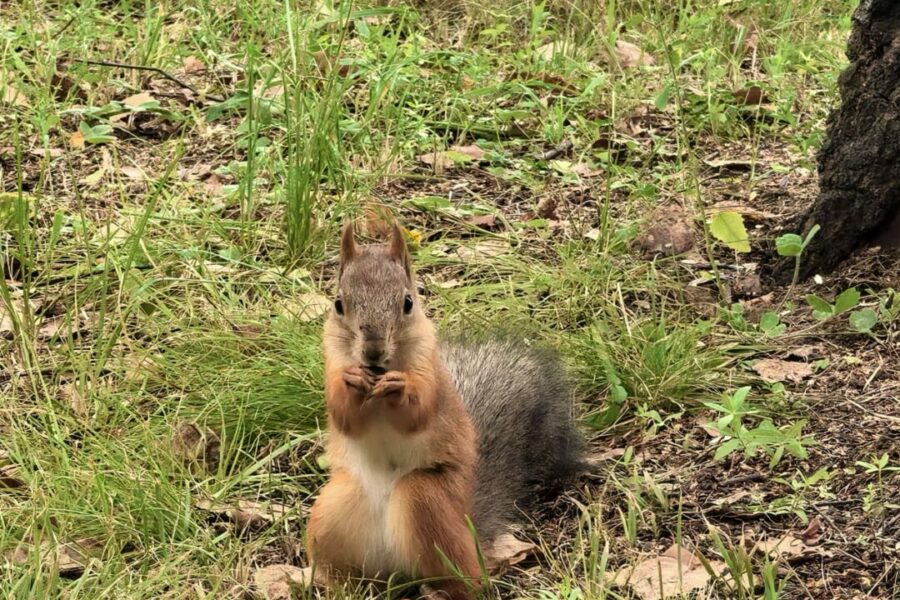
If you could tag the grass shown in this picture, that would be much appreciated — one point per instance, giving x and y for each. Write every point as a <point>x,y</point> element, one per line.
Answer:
<point>170,267</point>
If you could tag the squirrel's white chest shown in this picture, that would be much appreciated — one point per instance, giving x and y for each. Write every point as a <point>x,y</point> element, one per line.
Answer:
<point>378,460</point>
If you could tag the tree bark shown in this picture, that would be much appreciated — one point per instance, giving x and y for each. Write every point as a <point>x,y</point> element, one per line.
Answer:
<point>859,164</point>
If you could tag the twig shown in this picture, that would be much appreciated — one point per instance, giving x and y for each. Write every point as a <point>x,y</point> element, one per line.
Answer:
<point>552,153</point>
<point>157,70</point>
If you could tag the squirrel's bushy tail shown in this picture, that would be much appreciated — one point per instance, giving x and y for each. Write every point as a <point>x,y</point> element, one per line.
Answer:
<point>521,404</point>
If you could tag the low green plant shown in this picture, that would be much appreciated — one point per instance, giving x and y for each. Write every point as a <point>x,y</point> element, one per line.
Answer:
<point>774,441</point>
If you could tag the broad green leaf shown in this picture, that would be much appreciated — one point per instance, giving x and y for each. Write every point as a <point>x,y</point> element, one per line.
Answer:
<point>789,244</point>
<point>662,99</point>
<point>821,309</point>
<point>863,320</point>
<point>848,299</point>
<point>770,324</point>
<point>727,448</point>
<point>728,228</point>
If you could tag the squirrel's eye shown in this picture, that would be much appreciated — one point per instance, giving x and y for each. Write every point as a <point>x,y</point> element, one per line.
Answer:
<point>407,304</point>
<point>339,306</point>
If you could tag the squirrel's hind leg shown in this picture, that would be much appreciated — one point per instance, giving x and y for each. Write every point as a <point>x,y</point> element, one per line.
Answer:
<point>429,517</point>
<point>336,534</point>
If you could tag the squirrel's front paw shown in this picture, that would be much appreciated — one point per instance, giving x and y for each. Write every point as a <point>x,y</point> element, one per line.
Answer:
<point>391,387</point>
<point>359,381</point>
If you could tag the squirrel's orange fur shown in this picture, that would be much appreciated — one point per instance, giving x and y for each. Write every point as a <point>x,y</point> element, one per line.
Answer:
<point>402,447</point>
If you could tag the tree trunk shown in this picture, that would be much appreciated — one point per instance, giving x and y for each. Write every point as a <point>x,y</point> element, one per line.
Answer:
<point>859,164</point>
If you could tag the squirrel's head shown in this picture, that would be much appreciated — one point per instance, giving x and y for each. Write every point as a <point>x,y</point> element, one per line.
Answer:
<point>376,311</point>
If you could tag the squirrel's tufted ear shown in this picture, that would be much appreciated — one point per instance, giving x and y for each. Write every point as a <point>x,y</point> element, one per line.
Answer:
<point>398,250</point>
<point>348,243</point>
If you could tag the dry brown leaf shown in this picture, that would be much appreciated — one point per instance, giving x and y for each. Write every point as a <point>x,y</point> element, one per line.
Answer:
<point>9,477</point>
<point>806,352</point>
<point>138,99</point>
<point>76,140</point>
<point>133,173</point>
<point>439,160</point>
<point>193,65</point>
<point>484,221</point>
<point>733,497</point>
<point>549,50</point>
<point>486,249</point>
<point>546,207</point>
<point>472,151</point>
<point>631,56</point>
<point>504,551</point>
<point>752,214</point>
<point>677,571</point>
<point>7,324</point>
<point>668,232</point>
<point>750,96</point>
<point>15,97</point>
<point>602,457</point>
<point>735,165</point>
<point>774,370</point>
<point>275,582</point>
<point>195,444</point>
<point>70,394</point>
<point>308,306</point>
<point>248,514</point>
<point>68,559</point>
<point>790,547</point>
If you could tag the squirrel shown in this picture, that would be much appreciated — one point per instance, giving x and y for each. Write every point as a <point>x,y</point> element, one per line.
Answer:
<point>426,437</point>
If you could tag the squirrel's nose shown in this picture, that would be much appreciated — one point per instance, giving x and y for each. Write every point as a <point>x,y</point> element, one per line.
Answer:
<point>373,354</point>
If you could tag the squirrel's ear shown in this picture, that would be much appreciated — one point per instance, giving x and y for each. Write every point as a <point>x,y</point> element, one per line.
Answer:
<point>398,249</point>
<point>348,243</point>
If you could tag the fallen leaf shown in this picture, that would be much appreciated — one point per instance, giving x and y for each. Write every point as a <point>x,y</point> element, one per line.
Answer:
<point>504,551</point>
<point>668,232</point>
<point>192,64</point>
<point>483,221</point>
<point>138,99</point>
<point>94,178</point>
<point>565,167</point>
<point>9,477</point>
<point>7,324</point>
<point>612,454</point>
<point>76,140</point>
<point>247,514</point>
<point>551,49</point>
<point>805,352</point>
<point>774,370</point>
<point>196,445</point>
<point>812,535</point>
<point>546,207</point>
<point>748,285</point>
<point>752,214</point>
<point>732,498</point>
<point>70,394</point>
<point>677,571</point>
<point>486,249</point>
<point>444,159</point>
<point>790,547</point>
<point>68,559</point>
<point>750,96</point>
<point>308,306</point>
<point>728,227</point>
<point>631,56</point>
<point>15,97</point>
<point>275,582</point>
<point>377,221</point>
<point>472,151</point>
<point>736,165</point>
<point>133,173</point>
